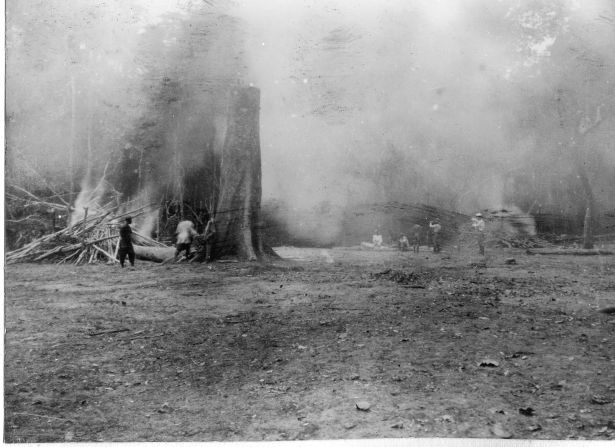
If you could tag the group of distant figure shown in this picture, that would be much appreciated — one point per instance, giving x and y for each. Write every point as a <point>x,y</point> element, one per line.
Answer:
<point>404,242</point>
<point>186,233</point>
<point>184,237</point>
<point>435,228</point>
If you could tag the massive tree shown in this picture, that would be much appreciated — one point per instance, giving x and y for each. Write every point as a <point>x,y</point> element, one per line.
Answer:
<point>238,212</point>
<point>238,209</point>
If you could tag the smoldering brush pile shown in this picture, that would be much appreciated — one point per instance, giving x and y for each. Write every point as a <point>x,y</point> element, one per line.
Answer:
<point>90,240</point>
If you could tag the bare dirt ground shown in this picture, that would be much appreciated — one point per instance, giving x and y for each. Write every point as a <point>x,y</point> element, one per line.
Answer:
<point>436,345</point>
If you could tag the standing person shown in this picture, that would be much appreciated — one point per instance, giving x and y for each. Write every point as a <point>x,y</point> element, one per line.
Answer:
<point>436,228</point>
<point>210,234</point>
<point>185,234</point>
<point>377,239</point>
<point>478,224</point>
<point>404,244</point>
<point>416,237</point>
<point>126,247</point>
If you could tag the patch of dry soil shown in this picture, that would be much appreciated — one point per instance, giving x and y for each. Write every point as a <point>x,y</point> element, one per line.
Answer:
<point>447,345</point>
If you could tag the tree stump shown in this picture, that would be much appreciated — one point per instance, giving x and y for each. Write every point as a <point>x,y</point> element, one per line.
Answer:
<point>588,234</point>
<point>238,212</point>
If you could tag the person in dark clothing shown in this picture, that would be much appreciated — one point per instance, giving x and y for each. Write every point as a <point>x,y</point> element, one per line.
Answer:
<point>126,248</point>
<point>416,237</point>
<point>210,234</point>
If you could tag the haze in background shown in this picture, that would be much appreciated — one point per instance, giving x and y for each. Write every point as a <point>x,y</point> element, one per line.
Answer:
<point>443,102</point>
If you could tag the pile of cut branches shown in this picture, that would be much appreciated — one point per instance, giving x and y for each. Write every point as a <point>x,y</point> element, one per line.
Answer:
<point>92,239</point>
<point>520,241</point>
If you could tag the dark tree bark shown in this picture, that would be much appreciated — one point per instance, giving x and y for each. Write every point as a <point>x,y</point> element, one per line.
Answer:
<point>586,125</point>
<point>238,214</point>
<point>588,236</point>
<point>578,148</point>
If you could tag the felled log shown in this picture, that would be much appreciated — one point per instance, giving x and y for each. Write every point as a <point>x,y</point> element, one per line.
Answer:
<point>155,254</point>
<point>570,252</point>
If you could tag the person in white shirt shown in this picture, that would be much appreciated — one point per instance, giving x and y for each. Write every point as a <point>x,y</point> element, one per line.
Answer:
<point>185,235</point>
<point>436,228</point>
<point>404,243</point>
<point>377,239</point>
<point>478,223</point>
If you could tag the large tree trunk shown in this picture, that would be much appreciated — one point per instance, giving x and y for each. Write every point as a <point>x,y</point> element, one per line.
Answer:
<point>590,204</point>
<point>586,125</point>
<point>238,216</point>
<point>588,233</point>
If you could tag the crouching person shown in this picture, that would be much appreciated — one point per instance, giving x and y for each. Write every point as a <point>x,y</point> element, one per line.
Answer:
<point>185,235</point>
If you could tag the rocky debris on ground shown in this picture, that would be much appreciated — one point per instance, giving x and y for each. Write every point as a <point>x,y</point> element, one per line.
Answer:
<point>401,277</point>
<point>165,408</point>
<point>424,344</point>
<point>478,265</point>
<point>362,405</point>
<point>600,400</point>
<point>499,431</point>
<point>490,363</point>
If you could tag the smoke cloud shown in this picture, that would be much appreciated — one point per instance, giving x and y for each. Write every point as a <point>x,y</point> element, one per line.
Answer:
<point>440,102</point>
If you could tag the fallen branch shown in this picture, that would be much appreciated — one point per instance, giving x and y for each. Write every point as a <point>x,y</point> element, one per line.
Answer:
<point>30,217</point>
<point>132,213</point>
<point>111,258</point>
<point>108,332</point>
<point>146,336</point>
<point>72,255</point>
<point>172,258</point>
<point>44,180</point>
<point>81,256</point>
<point>25,191</point>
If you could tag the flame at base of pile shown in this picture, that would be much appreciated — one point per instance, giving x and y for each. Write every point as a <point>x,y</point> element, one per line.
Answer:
<point>94,238</point>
